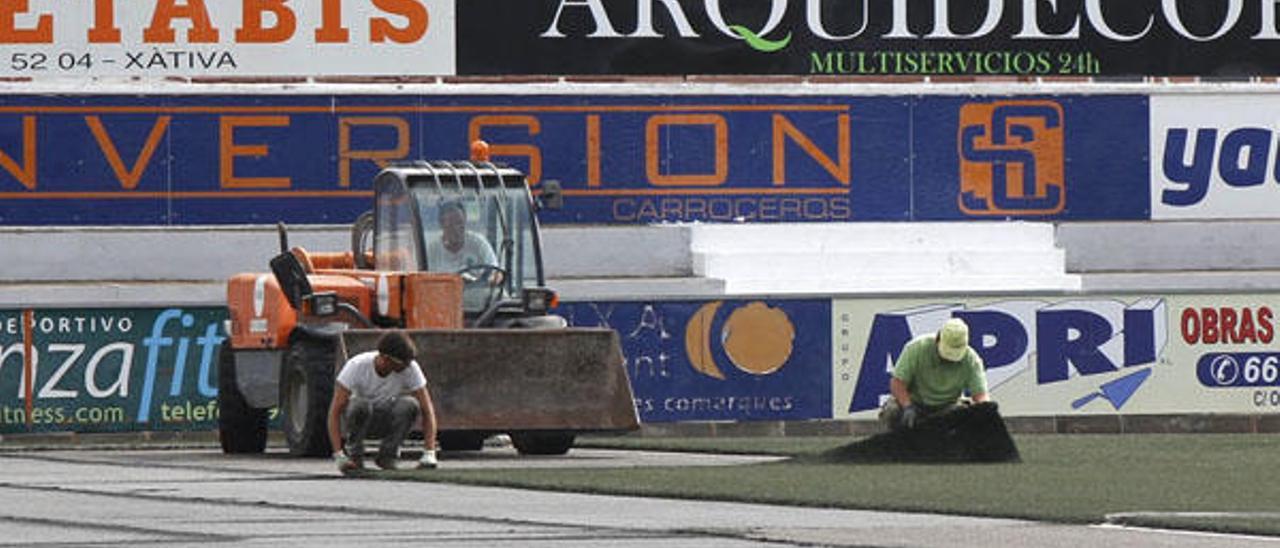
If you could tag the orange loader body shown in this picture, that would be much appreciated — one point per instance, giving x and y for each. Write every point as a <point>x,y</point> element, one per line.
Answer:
<point>505,366</point>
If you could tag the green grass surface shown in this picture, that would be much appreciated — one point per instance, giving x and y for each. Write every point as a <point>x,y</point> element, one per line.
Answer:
<point>1063,478</point>
<point>1251,525</point>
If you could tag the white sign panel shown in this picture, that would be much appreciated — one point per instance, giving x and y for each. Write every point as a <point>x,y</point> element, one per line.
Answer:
<point>1214,157</point>
<point>1071,356</point>
<point>226,38</point>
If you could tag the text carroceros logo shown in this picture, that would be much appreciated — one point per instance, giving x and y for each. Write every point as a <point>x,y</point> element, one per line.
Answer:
<point>1012,158</point>
<point>757,339</point>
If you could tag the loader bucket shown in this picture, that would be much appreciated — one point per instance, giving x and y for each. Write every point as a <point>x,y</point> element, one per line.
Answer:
<point>520,379</point>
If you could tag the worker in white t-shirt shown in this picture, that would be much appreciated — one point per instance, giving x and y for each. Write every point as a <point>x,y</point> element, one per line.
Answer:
<point>379,394</point>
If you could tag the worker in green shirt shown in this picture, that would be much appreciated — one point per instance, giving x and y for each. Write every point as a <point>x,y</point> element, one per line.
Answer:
<point>932,374</point>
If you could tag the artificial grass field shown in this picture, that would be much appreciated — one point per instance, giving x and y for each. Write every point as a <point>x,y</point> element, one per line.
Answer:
<point>1063,478</point>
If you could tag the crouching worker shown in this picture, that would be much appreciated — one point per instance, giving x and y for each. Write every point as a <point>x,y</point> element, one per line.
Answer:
<point>932,374</point>
<point>380,394</point>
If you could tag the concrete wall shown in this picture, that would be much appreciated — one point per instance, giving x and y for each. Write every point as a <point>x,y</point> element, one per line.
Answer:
<point>1173,255</point>
<point>617,251</point>
<point>150,254</point>
<point>112,266</point>
<point>1170,245</point>
<point>107,266</point>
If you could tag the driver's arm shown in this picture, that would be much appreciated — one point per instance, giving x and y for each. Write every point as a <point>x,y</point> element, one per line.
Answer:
<point>488,257</point>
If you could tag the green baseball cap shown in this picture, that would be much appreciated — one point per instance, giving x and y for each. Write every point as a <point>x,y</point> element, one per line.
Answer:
<point>953,340</point>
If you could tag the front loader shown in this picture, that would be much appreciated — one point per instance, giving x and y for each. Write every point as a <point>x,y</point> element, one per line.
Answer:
<point>495,359</point>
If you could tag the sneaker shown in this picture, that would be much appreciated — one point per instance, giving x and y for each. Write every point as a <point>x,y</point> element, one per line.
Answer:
<point>428,461</point>
<point>386,463</point>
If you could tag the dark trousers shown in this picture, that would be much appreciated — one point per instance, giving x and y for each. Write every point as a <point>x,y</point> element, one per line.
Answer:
<point>388,419</point>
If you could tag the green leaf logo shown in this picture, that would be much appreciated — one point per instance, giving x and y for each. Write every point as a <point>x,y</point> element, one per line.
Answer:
<point>758,42</point>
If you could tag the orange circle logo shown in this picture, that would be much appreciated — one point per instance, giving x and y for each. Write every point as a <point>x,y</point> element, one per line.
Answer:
<point>757,338</point>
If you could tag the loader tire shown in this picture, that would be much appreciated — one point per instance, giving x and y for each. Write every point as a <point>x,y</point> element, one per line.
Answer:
<point>241,428</point>
<point>461,441</point>
<point>306,389</point>
<point>542,443</point>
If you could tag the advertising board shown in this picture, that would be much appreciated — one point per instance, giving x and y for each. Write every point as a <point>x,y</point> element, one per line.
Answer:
<point>857,38</point>
<point>153,39</point>
<point>1086,355</point>
<point>118,370</point>
<point>621,159</point>
<point>109,370</point>
<point>1055,157</point>
<point>732,360</point>
<point>1214,157</point>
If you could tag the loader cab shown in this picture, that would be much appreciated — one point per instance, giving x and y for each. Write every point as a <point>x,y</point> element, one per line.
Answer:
<point>474,219</point>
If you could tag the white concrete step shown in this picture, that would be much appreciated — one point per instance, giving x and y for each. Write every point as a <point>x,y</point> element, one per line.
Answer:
<point>95,294</point>
<point>881,257</point>
<point>892,284</point>
<point>907,262</point>
<point>836,237</point>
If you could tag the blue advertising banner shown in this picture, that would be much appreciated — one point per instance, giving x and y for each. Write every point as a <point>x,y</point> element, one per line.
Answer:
<point>115,370</point>
<point>109,370</point>
<point>186,160</point>
<point>721,360</point>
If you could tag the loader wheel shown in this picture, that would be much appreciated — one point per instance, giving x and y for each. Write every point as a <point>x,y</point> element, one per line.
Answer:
<point>241,428</point>
<point>306,388</point>
<point>461,441</point>
<point>542,443</point>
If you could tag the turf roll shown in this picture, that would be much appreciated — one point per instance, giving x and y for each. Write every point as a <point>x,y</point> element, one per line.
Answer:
<point>970,433</point>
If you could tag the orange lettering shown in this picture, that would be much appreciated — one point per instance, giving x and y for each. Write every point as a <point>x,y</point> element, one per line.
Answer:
<point>381,29</point>
<point>229,150</point>
<point>130,177</point>
<point>593,151</point>
<point>652,149</point>
<point>254,32</point>
<point>161,29</point>
<point>10,34</point>
<point>783,129</point>
<point>27,173</point>
<point>331,30</point>
<point>532,152</point>
<point>346,154</point>
<point>104,30</point>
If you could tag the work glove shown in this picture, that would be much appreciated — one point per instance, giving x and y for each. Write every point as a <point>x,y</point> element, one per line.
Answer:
<point>909,417</point>
<point>428,460</point>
